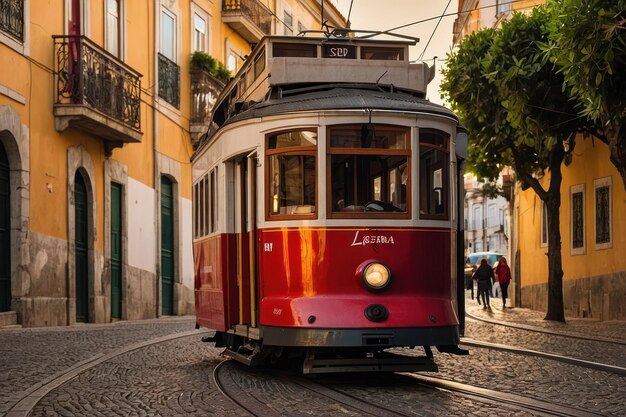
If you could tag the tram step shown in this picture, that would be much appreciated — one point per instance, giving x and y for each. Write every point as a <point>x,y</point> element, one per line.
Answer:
<point>251,359</point>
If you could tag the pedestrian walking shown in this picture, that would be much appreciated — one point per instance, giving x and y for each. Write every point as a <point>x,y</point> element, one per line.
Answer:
<point>485,277</point>
<point>503,274</point>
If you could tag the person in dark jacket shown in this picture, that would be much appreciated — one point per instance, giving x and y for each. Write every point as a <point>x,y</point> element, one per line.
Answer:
<point>485,277</point>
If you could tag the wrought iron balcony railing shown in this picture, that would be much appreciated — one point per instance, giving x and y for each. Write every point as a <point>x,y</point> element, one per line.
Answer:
<point>12,18</point>
<point>169,81</point>
<point>87,75</point>
<point>204,91</point>
<point>260,15</point>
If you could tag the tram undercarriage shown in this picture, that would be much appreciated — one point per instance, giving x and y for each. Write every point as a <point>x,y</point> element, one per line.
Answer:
<point>323,359</point>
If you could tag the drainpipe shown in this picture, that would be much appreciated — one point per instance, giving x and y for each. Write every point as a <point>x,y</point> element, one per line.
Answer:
<point>155,155</point>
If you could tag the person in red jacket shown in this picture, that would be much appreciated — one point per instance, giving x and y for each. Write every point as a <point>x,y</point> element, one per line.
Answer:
<point>503,274</point>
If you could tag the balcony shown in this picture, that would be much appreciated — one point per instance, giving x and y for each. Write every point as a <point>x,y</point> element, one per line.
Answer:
<point>169,81</point>
<point>96,92</point>
<point>204,91</point>
<point>12,18</point>
<point>249,18</point>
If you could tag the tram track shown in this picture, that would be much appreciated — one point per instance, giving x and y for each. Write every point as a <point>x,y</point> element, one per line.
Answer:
<point>545,355</point>
<point>326,388</point>
<point>535,329</point>
<point>529,404</point>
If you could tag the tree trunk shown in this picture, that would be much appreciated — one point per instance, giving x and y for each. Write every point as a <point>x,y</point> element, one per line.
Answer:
<point>556,310</point>
<point>617,145</point>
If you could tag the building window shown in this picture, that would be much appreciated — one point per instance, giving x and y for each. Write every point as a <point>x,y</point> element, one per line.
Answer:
<point>12,18</point>
<point>168,69</point>
<point>168,35</point>
<point>477,218</point>
<point>433,175</point>
<point>504,6</point>
<point>492,215</point>
<point>113,40</point>
<point>288,22</point>
<point>603,212</point>
<point>578,219</point>
<point>369,171</point>
<point>544,224</point>
<point>291,175</point>
<point>200,33</point>
<point>231,62</point>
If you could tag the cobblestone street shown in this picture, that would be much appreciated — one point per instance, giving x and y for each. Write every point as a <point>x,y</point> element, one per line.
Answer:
<point>161,367</point>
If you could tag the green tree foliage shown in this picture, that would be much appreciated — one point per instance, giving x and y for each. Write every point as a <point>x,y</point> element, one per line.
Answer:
<point>587,42</point>
<point>512,102</point>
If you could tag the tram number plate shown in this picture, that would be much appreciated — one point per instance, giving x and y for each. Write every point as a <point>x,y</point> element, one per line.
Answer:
<point>340,51</point>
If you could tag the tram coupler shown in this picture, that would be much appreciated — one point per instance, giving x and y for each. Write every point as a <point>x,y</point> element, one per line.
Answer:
<point>452,349</point>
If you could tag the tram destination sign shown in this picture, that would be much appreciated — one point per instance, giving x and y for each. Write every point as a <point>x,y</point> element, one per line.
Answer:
<point>339,51</point>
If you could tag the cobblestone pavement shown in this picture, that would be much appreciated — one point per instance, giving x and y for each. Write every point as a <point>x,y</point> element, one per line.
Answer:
<point>32,356</point>
<point>174,377</point>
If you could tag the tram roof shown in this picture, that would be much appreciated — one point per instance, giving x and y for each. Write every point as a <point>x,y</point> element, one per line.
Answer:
<point>342,97</point>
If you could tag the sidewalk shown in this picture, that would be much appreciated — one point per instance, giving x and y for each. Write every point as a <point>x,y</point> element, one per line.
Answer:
<point>614,330</point>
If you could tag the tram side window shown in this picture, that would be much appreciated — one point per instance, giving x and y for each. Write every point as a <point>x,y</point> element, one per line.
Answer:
<point>205,200</point>
<point>433,175</point>
<point>369,171</point>
<point>291,161</point>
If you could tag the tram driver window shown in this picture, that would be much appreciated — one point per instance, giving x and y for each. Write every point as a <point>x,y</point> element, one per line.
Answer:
<point>433,175</point>
<point>369,171</point>
<point>291,175</point>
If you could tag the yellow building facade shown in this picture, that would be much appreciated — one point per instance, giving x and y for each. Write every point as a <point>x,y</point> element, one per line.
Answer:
<point>593,238</point>
<point>98,120</point>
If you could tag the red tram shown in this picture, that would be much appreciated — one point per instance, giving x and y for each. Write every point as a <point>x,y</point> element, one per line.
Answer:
<point>327,209</point>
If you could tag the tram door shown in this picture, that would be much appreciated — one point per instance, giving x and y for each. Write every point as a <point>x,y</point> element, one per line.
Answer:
<point>246,236</point>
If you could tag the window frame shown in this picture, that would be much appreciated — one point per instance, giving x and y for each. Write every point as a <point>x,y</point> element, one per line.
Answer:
<point>120,29</point>
<point>446,174</point>
<point>577,189</point>
<point>330,151</point>
<point>291,151</point>
<point>543,226</point>
<point>165,11</point>
<point>477,220</point>
<point>287,30</point>
<point>601,183</point>
<point>202,14</point>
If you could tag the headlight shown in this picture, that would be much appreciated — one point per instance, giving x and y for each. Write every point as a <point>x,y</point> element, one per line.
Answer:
<point>376,276</point>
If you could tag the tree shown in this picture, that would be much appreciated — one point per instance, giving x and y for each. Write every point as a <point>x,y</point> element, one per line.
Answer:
<point>511,100</point>
<point>587,42</point>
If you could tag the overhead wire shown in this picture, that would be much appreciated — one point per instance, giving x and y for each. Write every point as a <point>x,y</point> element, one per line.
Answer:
<point>417,22</point>
<point>434,30</point>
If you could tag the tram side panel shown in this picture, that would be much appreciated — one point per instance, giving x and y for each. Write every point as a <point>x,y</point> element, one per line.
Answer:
<point>216,282</point>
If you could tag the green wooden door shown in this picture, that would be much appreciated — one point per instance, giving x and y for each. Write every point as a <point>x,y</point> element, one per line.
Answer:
<point>5,233</point>
<point>116,251</point>
<point>167,246</point>
<point>82,246</point>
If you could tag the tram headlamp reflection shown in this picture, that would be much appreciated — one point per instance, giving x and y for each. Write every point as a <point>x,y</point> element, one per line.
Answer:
<point>376,276</point>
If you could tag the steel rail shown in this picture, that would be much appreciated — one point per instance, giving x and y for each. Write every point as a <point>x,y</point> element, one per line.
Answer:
<point>546,331</point>
<point>553,356</point>
<point>245,402</point>
<point>526,403</point>
<point>346,399</point>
